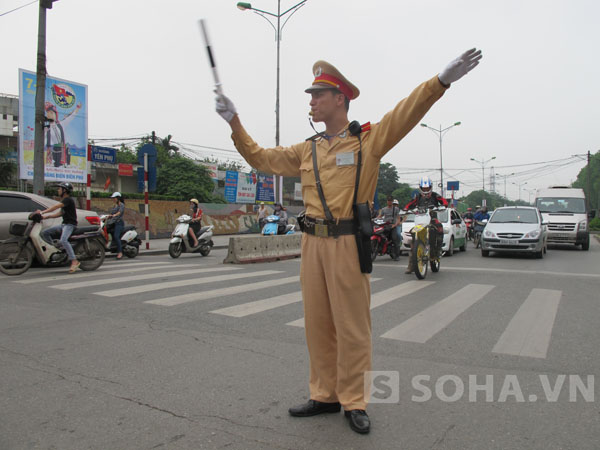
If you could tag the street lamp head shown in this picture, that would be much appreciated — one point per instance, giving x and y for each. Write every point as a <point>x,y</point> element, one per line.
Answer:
<point>472,159</point>
<point>423,124</point>
<point>457,123</point>
<point>244,6</point>
<point>493,157</point>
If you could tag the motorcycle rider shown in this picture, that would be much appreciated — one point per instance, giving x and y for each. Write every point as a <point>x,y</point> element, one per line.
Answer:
<point>389,214</point>
<point>468,214</point>
<point>196,222</point>
<point>468,218</point>
<point>116,223</point>
<point>479,217</point>
<point>424,199</point>
<point>69,215</point>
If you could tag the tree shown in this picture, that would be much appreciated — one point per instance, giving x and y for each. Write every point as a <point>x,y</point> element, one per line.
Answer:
<point>388,179</point>
<point>403,194</point>
<point>593,197</point>
<point>126,156</point>
<point>224,165</point>
<point>182,177</point>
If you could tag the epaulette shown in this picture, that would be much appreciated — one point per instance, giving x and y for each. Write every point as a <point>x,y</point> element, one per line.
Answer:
<point>365,127</point>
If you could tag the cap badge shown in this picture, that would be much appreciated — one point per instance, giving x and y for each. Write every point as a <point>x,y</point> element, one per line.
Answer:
<point>318,72</point>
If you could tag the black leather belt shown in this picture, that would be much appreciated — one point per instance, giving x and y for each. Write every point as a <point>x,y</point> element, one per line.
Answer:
<point>326,228</point>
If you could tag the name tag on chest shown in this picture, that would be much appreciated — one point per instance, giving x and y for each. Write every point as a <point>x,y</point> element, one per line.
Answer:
<point>344,159</point>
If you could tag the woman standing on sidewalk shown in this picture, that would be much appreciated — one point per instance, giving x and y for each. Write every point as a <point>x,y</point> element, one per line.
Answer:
<point>115,221</point>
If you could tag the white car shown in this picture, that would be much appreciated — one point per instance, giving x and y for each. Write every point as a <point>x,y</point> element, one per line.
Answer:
<point>455,231</point>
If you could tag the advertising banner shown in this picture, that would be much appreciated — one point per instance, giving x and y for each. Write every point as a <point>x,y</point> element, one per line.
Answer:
<point>246,188</point>
<point>65,137</point>
<point>231,182</point>
<point>126,170</point>
<point>264,189</point>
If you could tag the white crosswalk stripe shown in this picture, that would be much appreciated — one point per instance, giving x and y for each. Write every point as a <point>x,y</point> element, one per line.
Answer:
<point>429,322</point>
<point>148,276</point>
<point>199,296</point>
<point>246,309</point>
<point>180,283</point>
<point>103,270</point>
<point>530,330</point>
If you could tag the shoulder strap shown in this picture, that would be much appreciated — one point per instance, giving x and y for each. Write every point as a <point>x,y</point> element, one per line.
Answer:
<point>318,180</point>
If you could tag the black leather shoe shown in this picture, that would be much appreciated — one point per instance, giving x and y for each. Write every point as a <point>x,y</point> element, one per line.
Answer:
<point>359,421</point>
<point>313,407</point>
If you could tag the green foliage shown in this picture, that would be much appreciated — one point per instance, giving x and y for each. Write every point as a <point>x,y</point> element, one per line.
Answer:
<point>126,156</point>
<point>595,224</point>
<point>403,194</point>
<point>582,181</point>
<point>8,173</point>
<point>182,177</point>
<point>493,201</point>
<point>388,180</point>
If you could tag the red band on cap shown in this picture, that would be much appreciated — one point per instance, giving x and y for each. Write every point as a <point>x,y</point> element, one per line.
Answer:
<point>335,82</point>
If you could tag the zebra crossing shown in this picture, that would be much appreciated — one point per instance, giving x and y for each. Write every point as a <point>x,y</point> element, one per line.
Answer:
<point>527,334</point>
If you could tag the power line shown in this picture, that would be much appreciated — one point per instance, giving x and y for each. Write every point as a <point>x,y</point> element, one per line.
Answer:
<point>22,6</point>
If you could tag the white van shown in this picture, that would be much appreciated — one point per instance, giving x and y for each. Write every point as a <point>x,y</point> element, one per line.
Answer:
<point>564,209</point>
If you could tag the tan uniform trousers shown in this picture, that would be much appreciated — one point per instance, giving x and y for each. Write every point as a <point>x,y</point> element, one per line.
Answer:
<point>337,298</point>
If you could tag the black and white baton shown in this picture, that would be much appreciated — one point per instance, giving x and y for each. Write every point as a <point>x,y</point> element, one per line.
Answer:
<point>211,58</point>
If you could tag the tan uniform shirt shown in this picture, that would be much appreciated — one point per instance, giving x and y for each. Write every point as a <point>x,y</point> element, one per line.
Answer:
<point>337,159</point>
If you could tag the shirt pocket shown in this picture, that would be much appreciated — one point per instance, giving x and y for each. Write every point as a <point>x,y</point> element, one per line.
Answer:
<point>342,176</point>
<point>307,174</point>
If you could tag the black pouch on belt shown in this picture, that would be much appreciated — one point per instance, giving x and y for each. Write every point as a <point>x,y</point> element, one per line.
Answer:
<point>362,216</point>
<point>300,218</point>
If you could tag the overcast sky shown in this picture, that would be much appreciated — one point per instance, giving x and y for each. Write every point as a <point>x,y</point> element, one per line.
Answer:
<point>533,102</point>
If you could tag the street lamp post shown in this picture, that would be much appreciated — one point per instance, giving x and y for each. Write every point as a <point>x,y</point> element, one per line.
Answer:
<point>505,177</point>
<point>247,6</point>
<point>441,132</point>
<point>483,163</point>
<point>519,184</point>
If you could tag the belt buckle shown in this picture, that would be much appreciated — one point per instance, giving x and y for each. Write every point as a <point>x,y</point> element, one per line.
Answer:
<point>321,228</point>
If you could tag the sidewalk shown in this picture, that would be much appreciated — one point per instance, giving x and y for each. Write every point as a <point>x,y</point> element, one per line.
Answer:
<point>161,246</point>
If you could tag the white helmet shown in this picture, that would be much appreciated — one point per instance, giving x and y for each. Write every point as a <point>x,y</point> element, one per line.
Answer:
<point>425,185</point>
<point>116,194</point>
<point>395,202</point>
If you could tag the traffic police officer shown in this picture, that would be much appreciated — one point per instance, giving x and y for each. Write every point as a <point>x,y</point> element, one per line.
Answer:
<point>336,294</point>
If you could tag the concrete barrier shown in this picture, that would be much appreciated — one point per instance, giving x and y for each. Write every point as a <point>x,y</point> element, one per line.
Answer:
<point>253,249</point>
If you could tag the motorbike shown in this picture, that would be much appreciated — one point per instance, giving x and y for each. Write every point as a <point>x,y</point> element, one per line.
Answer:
<point>478,227</point>
<point>422,253</point>
<point>130,241</point>
<point>381,242</point>
<point>17,253</point>
<point>181,241</point>
<point>275,225</point>
<point>469,224</point>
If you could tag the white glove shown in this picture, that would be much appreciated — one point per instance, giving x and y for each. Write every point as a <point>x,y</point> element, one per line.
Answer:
<point>225,107</point>
<point>460,66</point>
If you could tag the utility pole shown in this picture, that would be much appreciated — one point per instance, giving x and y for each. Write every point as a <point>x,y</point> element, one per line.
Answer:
<point>589,181</point>
<point>40,98</point>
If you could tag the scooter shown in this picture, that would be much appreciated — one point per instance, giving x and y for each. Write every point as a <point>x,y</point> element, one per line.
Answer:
<point>130,241</point>
<point>469,224</point>
<point>17,253</point>
<point>478,227</point>
<point>275,225</point>
<point>181,241</point>
<point>381,242</point>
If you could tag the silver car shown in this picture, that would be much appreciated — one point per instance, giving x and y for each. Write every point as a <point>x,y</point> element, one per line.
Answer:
<point>16,206</point>
<point>515,229</point>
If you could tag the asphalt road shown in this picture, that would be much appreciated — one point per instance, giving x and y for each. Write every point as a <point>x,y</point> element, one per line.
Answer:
<point>489,353</point>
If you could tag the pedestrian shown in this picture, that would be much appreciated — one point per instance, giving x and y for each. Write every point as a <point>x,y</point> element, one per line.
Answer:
<point>115,222</point>
<point>68,211</point>
<point>261,215</point>
<point>335,289</point>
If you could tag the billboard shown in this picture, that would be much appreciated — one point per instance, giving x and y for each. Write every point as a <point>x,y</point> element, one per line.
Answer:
<point>65,137</point>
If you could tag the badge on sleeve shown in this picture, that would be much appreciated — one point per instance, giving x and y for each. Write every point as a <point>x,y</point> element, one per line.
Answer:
<point>344,159</point>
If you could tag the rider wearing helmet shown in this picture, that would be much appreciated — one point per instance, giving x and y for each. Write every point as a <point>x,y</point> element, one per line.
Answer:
<point>424,199</point>
<point>468,214</point>
<point>389,214</point>
<point>116,222</point>
<point>196,222</point>
<point>69,223</point>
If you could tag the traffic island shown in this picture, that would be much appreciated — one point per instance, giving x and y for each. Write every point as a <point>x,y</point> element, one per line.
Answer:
<point>255,249</point>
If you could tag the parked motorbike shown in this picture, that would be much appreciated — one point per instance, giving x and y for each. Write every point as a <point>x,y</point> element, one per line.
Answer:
<point>181,241</point>
<point>478,229</point>
<point>422,254</point>
<point>17,253</point>
<point>381,242</point>
<point>275,225</point>
<point>130,241</point>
